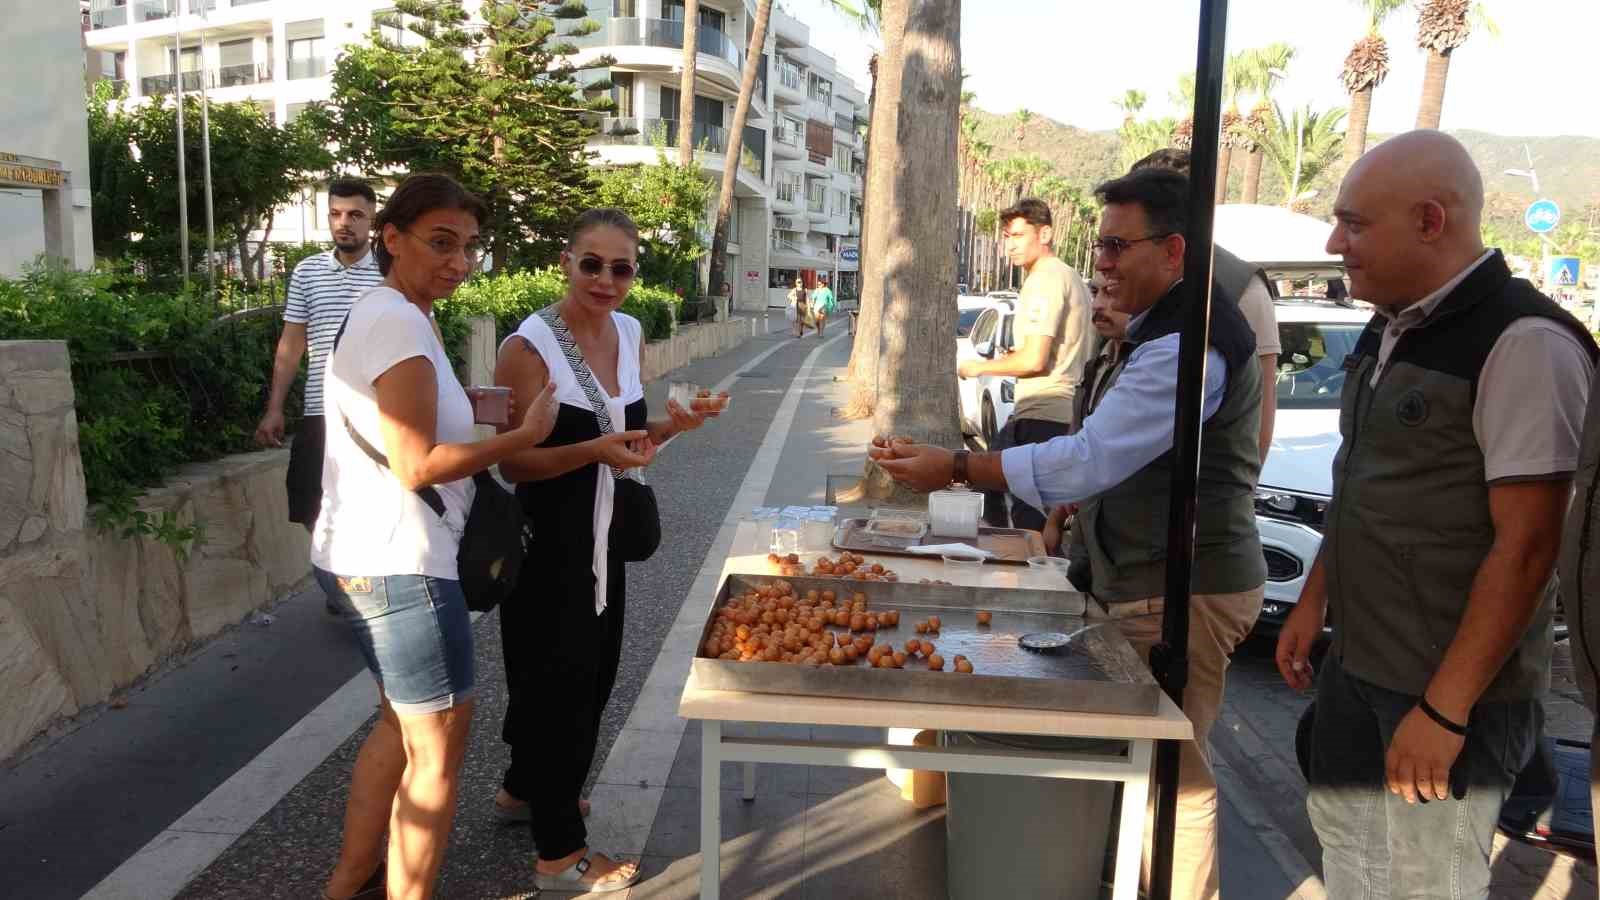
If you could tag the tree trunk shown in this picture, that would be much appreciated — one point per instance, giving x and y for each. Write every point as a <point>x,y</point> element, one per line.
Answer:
<point>731,161</point>
<point>1355,135</point>
<point>691,47</point>
<point>1224,164</point>
<point>917,393</point>
<point>1433,83</point>
<point>878,206</point>
<point>1252,176</point>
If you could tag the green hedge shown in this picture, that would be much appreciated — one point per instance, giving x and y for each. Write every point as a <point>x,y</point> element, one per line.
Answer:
<point>160,380</point>
<point>511,297</point>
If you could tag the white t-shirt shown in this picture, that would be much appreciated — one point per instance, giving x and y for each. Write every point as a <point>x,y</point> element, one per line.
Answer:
<point>370,524</point>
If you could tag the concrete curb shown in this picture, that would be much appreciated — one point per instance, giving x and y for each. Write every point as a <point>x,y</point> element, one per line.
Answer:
<point>1235,746</point>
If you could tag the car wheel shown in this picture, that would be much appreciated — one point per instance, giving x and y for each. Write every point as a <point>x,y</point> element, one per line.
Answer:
<point>990,432</point>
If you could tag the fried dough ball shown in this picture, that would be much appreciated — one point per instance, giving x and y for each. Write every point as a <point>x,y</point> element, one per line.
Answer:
<point>872,623</point>
<point>876,568</point>
<point>900,659</point>
<point>836,656</point>
<point>985,617</point>
<point>913,646</point>
<point>963,665</point>
<point>928,649</point>
<point>933,623</point>
<point>890,618</point>
<point>885,662</point>
<point>936,663</point>
<point>922,628</point>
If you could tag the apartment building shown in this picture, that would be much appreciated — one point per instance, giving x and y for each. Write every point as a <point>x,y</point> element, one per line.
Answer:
<point>798,187</point>
<point>797,210</point>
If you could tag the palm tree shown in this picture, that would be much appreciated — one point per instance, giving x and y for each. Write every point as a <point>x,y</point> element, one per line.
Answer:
<point>1238,77</point>
<point>1131,103</point>
<point>1364,69</point>
<point>1271,63</point>
<point>731,159</point>
<point>1302,146</point>
<point>691,49</point>
<point>1183,98</point>
<point>1143,138</point>
<point>1024,117</point>
<point>1442,26</point>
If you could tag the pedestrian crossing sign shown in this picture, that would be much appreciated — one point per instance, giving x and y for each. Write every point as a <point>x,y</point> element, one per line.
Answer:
<point>1563,271</point>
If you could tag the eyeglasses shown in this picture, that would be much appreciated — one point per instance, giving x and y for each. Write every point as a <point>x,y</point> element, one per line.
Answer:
<point>593,266</point>
<point>1113,247</point>
<point>444,248</point>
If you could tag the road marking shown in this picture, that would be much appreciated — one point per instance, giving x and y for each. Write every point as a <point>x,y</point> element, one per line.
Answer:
<point>168,862</point>
<point>654,717</point>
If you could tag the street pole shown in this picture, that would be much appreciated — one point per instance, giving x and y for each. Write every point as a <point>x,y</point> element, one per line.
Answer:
<point>183,183</point>
<point>205,154</point>
<point>1169,659</point>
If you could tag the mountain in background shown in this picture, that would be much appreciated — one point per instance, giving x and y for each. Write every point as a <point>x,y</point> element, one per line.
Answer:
<point>1569,167</point>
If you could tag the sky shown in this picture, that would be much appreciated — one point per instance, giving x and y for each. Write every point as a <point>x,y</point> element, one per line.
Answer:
<point>1539,77</point>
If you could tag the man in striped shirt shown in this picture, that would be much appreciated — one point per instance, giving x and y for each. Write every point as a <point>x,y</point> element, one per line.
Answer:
<point>321,290</point>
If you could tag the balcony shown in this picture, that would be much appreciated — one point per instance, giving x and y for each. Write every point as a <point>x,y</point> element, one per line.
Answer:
<point>161,85</point>
<point>817,208</point>
<point>241,74</point>
<point>642,132</point>
<point>661,33</point>
<point>787,196</point>
<point>791,86</point>
<point>107,16</point>
<point>307,67</point>
<point>786,143</point>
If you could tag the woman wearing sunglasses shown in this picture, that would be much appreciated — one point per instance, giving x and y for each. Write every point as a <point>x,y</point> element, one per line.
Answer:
<point>396,488</point>
<point>797,307</point>
<point>562,630</point>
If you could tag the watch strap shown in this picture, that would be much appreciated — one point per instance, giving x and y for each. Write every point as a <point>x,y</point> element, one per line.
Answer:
<point>958,471</point>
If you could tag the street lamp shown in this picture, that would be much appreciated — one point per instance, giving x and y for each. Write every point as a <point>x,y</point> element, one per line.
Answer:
<point>1533,175</point>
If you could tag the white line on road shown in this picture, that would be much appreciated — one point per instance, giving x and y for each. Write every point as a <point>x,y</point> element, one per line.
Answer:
<point>161,868</point>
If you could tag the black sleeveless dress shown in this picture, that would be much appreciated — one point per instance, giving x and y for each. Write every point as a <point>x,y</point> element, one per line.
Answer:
<point>561,658</point>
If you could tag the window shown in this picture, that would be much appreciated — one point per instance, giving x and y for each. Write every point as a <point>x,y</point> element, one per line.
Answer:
<point>624,9</point>
<point>821,89</point>
<point>841,203</point>
<point>305,49</point>
<point>844,123</point>
<point>841,158</point>
<point>817,196</point>
<point>782,278</point>
<point>1311,368</point>
<point>966,319</point>
<point>293,111</point>
<point>622,94</point>
<point>983,330</point>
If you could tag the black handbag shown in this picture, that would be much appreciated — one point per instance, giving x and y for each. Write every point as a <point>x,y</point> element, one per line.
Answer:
<point>494,540</point>
<point>636,517</point>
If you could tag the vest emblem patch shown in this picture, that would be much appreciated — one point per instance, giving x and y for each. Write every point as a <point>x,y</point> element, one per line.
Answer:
<point>1412,410</point>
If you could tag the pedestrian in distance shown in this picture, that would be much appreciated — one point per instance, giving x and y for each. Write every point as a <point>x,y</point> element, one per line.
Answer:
<point>797,307</point>
<point>822,304</point>
<point>1463,403</point>
<point>321,289</point>
<point>396,488</point>
<point>1118,468</point>
<point>561,630</point>
<point>1052,324</point>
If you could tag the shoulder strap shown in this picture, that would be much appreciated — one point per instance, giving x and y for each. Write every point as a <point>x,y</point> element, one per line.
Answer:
<point>428,494</point>
<point>580,371</point>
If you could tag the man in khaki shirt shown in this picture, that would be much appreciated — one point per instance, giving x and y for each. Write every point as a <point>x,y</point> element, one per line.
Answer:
<point>1055,339</point>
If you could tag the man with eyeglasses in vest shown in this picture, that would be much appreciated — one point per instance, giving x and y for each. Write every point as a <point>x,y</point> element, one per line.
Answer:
<point>1462,406</point>
<point>1118,468</point>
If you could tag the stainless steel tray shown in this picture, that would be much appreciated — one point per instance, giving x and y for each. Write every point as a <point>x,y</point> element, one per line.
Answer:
<point>1098,672</point>
<point>1009,545</point>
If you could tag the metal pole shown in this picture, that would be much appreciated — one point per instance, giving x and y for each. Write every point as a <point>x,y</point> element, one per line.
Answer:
<point>183,182</point>
<point>1169,660</point>
<point>205,154</point>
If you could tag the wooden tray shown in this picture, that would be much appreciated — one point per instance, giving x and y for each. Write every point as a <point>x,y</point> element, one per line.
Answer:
<point>1009,545</point>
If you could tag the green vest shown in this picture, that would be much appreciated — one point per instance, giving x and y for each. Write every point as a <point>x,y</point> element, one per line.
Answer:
<point>1125,528</point>
<point>1409,524</point>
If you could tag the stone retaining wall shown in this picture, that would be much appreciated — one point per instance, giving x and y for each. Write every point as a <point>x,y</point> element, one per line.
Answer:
<point>84,614</point>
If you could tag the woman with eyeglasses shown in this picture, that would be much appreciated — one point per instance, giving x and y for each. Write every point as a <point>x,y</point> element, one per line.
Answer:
<point>397,485</point>
<point>562,630</point>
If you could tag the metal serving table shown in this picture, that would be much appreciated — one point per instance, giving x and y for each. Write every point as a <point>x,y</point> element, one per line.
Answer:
<point>712,698</point>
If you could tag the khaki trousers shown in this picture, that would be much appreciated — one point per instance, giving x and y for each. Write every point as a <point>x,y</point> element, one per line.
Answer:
<point>1217,623</point>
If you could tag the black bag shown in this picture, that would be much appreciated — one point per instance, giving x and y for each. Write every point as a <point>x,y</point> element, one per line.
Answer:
<point>636,517</point>
<point>494,540</point>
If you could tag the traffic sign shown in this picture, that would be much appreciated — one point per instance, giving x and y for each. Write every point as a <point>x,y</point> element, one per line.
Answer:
<point>1563,272</point>
<point>1542,216</point>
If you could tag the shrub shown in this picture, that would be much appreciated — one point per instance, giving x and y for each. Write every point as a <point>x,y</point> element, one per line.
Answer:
<point>510,297</point>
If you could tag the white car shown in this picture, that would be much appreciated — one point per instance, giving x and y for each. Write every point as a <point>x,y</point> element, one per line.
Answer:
<point>986,401</point>
<point>1297,480</point>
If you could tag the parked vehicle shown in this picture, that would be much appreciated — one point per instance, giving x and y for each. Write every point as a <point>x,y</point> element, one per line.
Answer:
<point>986,401</point>
<point>1297,480</point>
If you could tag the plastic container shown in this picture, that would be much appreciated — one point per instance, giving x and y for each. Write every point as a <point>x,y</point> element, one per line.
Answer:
<point>900,529</point>
<point>962,561</point>
<point>989,816</point>
<point>956,512</point>
<point>817,531</point>
<point>491,404</point>
<point>1049,564</point>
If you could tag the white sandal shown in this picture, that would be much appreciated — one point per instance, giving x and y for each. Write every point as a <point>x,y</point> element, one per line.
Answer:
<point>570,880</point>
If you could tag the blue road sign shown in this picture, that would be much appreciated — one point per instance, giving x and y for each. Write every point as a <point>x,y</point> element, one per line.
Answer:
<point>1542,216</point>
<point>1563,271</point>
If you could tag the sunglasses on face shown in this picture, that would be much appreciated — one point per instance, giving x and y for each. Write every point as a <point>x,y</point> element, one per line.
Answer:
<point>1113,247</point>
<point>593,266</point>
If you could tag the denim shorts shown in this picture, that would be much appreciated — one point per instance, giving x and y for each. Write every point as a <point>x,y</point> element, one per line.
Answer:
<point>415,634</point>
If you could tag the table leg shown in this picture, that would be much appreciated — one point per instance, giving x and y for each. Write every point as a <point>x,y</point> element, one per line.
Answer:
<point>749,781</point>
<point>1130,836</point>
<point>711,809</point>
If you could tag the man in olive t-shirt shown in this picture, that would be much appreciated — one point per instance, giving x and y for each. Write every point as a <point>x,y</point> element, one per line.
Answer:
<point>1054,340</point>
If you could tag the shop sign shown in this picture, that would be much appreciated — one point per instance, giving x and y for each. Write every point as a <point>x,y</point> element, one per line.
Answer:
<point>26,171</point>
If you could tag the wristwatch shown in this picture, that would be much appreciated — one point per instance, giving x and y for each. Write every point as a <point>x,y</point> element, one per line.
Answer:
<point>958,470</point>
